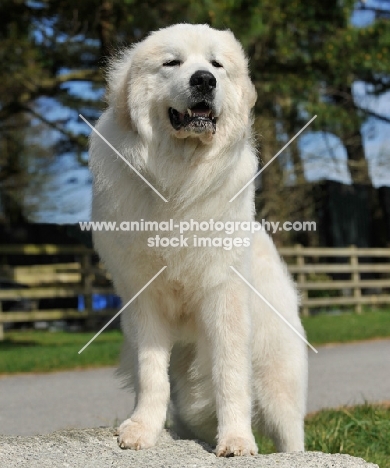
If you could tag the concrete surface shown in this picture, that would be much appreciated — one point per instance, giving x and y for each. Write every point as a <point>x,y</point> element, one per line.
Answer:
<point>97,448</point>
<point>42,403</point>
<point>349,374</point>
<point>38,404</point>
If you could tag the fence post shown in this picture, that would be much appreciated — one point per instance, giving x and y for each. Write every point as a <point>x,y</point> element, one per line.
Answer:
<point>357,294</point>
<point>302,278</point>
<point>87,277</point>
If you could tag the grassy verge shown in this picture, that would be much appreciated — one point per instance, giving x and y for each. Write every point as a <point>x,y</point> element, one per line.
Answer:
<point>38,351</point>
<point>325,328</point>
<point>361,431</point>
<point>42,351</point>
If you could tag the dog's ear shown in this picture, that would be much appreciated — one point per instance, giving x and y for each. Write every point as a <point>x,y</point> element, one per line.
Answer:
<point>118,77</point>
<point>250,94</point>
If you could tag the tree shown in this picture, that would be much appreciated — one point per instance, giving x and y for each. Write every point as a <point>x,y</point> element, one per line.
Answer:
<point>304,61</point>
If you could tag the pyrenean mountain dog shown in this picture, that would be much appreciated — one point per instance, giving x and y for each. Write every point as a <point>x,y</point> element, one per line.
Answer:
<point>179,111</point>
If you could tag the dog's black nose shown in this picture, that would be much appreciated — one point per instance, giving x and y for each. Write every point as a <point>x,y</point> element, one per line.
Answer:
<point>203,81</point>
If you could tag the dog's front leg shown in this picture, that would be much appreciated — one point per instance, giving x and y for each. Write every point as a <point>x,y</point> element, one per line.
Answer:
<point>153,342</point>
<point>226,318</point>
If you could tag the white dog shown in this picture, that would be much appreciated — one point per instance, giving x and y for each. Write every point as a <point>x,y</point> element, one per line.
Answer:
<point>179,110</point>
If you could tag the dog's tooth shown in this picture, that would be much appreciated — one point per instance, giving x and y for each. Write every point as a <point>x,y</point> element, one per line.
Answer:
<point>189,111</point>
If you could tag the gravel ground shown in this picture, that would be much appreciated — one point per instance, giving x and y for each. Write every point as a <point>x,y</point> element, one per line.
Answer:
<point>97,448</point>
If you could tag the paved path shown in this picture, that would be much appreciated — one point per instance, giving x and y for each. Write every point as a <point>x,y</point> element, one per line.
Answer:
<point>40,403</point>
<point>37,404</point>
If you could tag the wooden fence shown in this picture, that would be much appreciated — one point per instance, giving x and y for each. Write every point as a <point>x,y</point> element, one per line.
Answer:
<point>350,276</point>
<point>326,277</point>
<point>29,286</point>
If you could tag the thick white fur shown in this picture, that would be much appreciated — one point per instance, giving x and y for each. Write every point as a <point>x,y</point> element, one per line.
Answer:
<point>197,334</point>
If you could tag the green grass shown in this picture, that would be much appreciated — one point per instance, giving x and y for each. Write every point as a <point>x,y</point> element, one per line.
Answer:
<point>325,328</point>
<point>40,351</point>
<point>43,351</point>
<point>361,431</point>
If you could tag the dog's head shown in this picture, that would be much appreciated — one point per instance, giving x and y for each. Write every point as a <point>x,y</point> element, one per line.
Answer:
<point>187,80</point>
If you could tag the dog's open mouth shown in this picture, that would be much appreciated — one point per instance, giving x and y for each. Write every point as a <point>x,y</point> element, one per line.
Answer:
<point>198,118</point>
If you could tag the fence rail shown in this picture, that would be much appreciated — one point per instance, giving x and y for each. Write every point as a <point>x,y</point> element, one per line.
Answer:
<point>345,276</point>
<point>326,278</point>
<point>57,273</point>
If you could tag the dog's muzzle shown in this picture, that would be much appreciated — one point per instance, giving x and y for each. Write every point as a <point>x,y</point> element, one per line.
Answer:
<point>199,116</point>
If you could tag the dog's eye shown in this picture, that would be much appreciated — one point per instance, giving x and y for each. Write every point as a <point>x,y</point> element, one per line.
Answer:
<point>216,64</point>
<point>172,63</point>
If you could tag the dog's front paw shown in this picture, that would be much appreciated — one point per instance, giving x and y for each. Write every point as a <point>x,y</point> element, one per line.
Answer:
<point>136,435</point>
<point>236,446</point>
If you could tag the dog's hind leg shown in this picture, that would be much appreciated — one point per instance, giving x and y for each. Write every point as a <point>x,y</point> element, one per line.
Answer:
<point>279,355</point>
<point>279,406</point>
<point>279,380</point>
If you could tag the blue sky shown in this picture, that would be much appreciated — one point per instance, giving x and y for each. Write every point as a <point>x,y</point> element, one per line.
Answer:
<point>324,154</point>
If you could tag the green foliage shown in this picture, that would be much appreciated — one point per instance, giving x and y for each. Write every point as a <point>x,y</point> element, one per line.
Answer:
<point>294,47</point>
<point>304,59</point>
